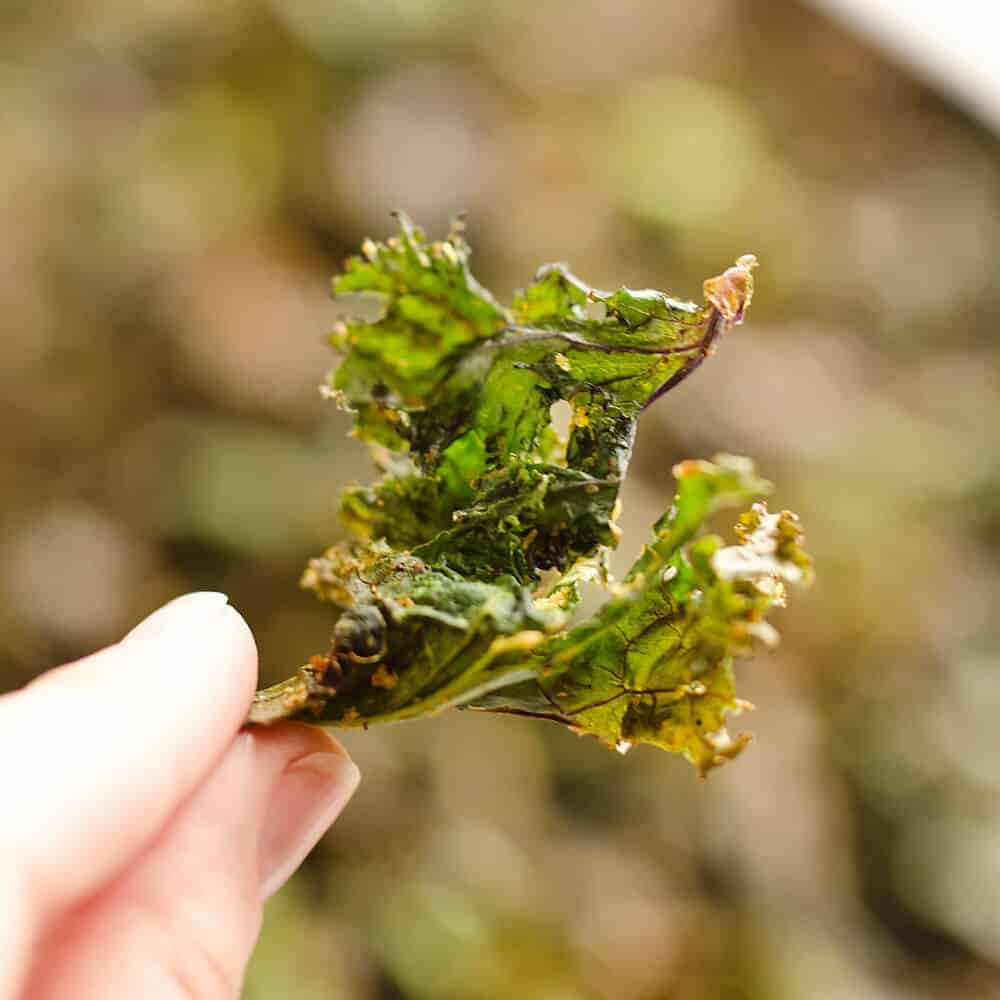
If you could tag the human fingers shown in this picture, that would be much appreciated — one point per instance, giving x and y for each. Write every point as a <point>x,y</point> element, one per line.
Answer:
<point>182,920</point>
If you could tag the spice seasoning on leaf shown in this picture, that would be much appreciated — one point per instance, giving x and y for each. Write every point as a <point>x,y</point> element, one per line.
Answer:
<point>440,596</point>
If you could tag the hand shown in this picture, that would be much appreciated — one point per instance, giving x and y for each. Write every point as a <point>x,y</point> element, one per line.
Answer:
<point>141,827</point>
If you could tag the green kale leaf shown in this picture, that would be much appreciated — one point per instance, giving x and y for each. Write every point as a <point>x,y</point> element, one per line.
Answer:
<point>471,549</point>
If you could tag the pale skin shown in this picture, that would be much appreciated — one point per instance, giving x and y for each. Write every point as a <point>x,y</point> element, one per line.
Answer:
<point>142,826</point>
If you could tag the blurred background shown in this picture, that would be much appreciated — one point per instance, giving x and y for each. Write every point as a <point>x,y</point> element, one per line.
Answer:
<point>178,181</point>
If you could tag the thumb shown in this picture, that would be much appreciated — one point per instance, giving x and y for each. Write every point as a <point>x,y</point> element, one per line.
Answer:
<point>184,917</point>
<point>97,755</point>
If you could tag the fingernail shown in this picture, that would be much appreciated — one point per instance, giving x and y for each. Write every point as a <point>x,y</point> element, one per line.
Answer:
<point>309,796</point>
<point>172,614</point>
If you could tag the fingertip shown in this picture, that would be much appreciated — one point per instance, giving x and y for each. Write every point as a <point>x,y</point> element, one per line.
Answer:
<point>312,791</point>
<point>236,637</point>
<point>296,739</point>
<point>174,612</point>
<point>206,638</point>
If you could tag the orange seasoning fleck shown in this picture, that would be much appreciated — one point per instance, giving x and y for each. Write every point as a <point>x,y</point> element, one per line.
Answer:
<point>384,678</point>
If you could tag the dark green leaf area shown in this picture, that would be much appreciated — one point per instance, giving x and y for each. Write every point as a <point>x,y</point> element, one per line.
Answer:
<point>471,551</point>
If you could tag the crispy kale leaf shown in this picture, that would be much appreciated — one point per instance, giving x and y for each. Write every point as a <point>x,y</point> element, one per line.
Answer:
<point>471,549</point>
